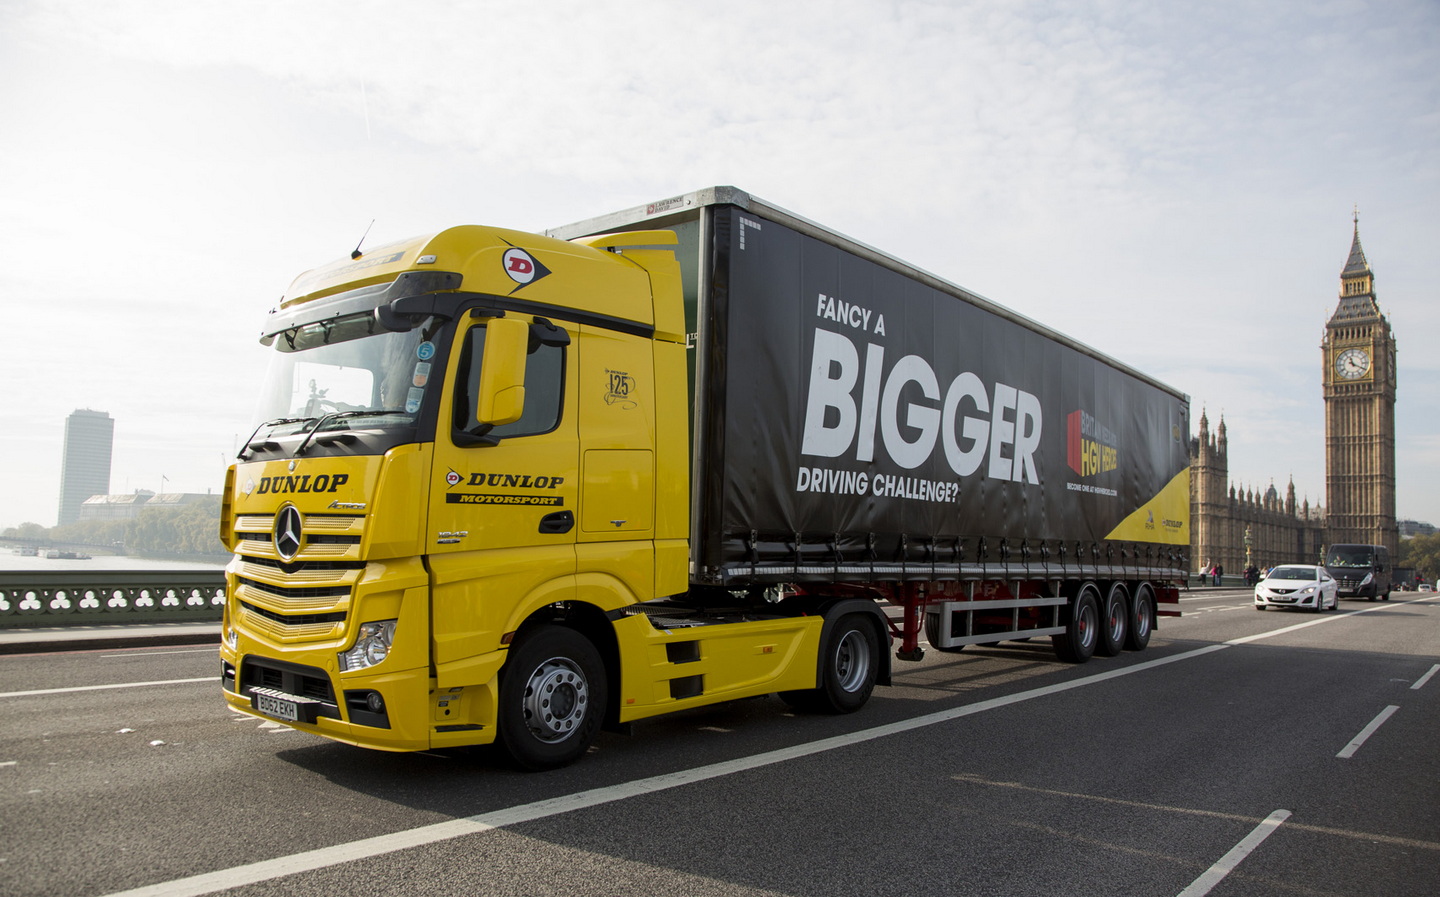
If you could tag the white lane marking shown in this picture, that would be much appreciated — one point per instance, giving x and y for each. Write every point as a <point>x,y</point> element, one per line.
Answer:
<point>1226,864</point>
<point>320,858</point>
<point>1420,683</point>
<point>61,691</point>
<point>1318,621</point>
<point>1366,732</point>
<point>266,870</point>
<point>9,763</point>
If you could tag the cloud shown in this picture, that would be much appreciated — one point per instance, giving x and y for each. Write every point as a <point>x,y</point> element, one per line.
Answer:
<point>1170,184</point>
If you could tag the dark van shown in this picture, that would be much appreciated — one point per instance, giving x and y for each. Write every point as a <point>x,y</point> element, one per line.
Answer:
<point>1362,571</point>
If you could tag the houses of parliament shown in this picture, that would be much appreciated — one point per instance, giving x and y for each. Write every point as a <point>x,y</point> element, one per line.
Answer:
<point>1357,353</point>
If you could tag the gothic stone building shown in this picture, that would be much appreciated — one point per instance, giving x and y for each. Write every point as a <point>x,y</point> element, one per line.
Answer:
<point>1358,358</point>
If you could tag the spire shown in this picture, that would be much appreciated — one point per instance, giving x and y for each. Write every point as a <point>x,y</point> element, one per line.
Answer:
<point>1356,265</point>
<point>1357,284</point>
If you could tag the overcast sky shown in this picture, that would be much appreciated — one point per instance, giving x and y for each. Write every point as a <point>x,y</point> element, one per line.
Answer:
<point>1170,183</point>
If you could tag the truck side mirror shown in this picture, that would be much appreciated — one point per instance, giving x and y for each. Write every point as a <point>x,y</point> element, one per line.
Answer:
<point>501,398</point>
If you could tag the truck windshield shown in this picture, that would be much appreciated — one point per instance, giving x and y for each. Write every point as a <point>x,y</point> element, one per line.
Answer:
<point>347,373</point>
<point>1350,557</point>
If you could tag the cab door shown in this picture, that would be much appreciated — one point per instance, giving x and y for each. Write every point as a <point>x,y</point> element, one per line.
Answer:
<point>502,507</point>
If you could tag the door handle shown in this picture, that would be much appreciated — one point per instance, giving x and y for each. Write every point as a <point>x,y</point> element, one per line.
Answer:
<point>558,523</point>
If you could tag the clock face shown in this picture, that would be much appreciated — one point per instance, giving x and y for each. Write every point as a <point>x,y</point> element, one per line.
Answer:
<point>1352,364</point>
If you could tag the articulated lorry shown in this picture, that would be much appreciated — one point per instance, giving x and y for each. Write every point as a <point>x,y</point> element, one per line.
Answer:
<point>515,488</point>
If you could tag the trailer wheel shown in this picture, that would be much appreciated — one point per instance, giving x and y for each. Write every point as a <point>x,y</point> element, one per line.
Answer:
<point>552,698</point>
<point>1114,621</point>
<point>1142,619</point>
<point>933,635</point>
<point>1077,643</point>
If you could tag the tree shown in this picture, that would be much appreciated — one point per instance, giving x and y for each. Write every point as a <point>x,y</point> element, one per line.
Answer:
<point>27,530</point>
<point>187,529</point>
<point>1422,553</point>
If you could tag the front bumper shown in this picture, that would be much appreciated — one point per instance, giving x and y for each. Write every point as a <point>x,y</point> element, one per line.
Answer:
<point>385,711</point>
<point>1264,598</point>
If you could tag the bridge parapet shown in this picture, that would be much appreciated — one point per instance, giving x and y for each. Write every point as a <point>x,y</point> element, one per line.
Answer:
<point>99,597</point>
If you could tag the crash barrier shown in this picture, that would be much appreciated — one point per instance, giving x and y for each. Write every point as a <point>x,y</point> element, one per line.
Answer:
<point>98,597</point>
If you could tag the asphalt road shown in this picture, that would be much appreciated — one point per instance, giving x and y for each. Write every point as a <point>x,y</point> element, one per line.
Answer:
<point>1244,753</point>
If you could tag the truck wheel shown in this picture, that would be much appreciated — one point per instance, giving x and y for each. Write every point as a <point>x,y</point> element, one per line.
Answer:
<point>1077,643</point>
<point>849,663</point>
<point>552,698</point>
<point>1142,619</point>
<point>932,633</point>
<point>1114,621</point>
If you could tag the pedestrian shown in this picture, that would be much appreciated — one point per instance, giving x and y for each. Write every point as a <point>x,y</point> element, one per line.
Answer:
<point>1219,572</point>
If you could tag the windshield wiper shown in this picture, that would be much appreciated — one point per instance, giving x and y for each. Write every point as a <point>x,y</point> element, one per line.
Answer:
<point>266,445</point>
<point>340,415</point>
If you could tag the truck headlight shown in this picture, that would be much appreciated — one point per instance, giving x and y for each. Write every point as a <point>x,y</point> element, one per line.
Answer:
<point>1369,578</point>
<point>372,645</point>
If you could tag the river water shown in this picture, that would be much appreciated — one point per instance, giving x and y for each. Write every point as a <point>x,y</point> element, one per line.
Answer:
<point>9,561</point>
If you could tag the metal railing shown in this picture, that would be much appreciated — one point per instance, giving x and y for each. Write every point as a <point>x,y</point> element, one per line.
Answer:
<point>99,597</point>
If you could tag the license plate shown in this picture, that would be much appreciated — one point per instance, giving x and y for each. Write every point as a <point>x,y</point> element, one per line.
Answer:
<point>286,710</point>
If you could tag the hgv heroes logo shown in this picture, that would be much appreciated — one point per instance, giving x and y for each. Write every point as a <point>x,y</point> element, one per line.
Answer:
<point>1090,446</point>
<point>971,422</point>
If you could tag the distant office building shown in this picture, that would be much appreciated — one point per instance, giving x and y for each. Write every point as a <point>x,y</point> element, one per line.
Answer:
<point>1412,528</point>
<point>128,506</point>
<point>115,507</point>
<point>85,465</point>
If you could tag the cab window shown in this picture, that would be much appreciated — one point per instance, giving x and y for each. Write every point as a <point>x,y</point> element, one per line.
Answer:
<point>544,388</point>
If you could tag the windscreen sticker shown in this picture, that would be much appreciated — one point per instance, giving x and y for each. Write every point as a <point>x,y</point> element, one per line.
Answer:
<point>422,374</point>
<point>425,351</point>
<point>412,400</point>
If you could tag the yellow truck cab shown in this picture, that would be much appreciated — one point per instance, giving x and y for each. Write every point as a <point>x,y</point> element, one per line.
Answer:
<point>463,459</point>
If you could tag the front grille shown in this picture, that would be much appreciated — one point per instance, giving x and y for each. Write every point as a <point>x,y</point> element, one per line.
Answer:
<point>290,569</point>
<point>290,678</point>
<point>285,592</point>
<point>332,540</point>
<point>294,619</point>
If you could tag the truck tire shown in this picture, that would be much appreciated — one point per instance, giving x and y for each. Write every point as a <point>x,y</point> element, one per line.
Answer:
<point>849,665</point>
<point>1114,621</point>
<point>1142,619</point>
<point>932,634</point>
<point>1077,643</point>
<point>552,698</point>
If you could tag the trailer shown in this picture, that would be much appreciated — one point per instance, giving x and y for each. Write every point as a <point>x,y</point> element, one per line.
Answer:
<point>918,442</point>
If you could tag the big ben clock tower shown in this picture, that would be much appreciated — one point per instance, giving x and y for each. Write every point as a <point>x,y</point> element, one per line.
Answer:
<point>1359,358</point>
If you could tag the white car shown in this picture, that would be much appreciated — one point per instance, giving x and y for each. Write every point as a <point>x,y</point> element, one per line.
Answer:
<point>1298,585</point>
<point>1426,587</point>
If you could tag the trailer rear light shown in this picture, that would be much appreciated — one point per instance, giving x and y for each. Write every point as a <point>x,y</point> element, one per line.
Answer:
<point>372,645</point>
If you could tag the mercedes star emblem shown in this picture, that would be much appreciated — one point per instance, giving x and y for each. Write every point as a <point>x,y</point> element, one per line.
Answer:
<point>287,532</point>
